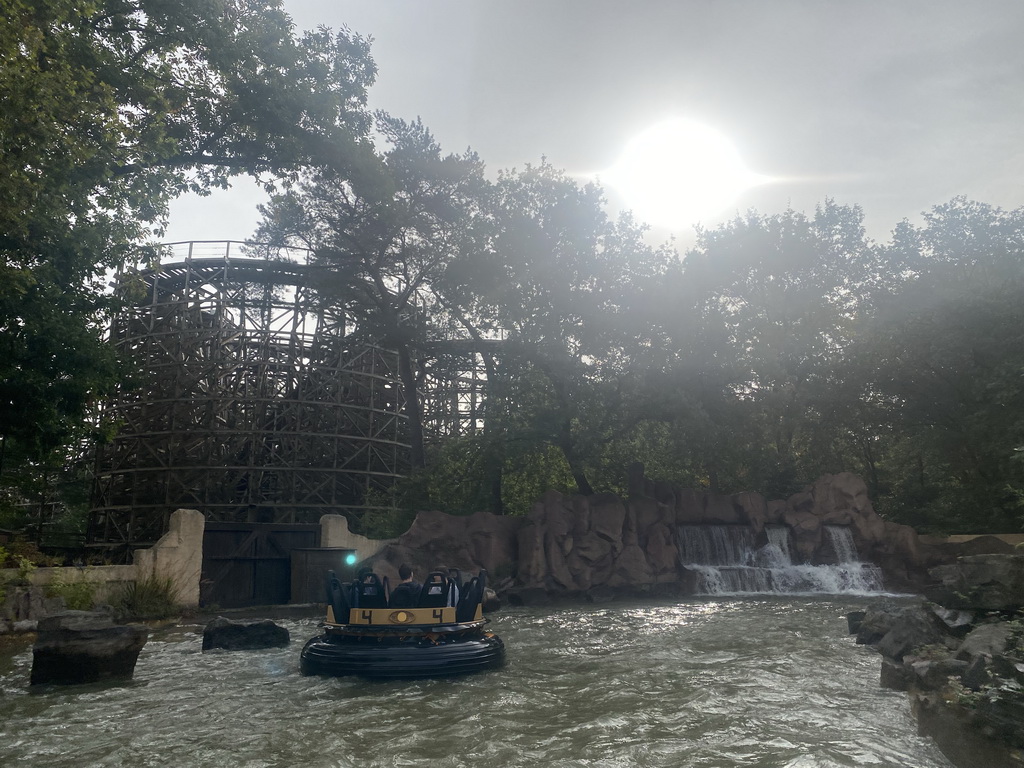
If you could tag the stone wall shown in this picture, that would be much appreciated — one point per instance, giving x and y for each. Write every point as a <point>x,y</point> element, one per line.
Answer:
<point>177,556</point>
<point>334,532</point>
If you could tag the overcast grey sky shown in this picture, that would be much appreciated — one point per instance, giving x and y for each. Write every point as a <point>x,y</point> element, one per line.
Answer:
<point>892,105</point>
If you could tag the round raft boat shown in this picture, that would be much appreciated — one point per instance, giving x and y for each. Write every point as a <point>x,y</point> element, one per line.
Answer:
<point>441,634</point>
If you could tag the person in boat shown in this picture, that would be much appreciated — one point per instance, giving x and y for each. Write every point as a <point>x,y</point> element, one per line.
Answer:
<point>407,593</point>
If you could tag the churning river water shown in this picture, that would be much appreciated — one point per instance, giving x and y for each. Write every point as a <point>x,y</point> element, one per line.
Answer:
<point>759,681</point>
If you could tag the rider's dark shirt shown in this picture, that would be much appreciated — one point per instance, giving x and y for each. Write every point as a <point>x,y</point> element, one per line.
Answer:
<point>405,595</point>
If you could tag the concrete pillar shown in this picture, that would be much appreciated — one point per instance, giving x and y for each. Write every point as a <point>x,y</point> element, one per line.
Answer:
<point>334,532</point>
<point>177,556</point>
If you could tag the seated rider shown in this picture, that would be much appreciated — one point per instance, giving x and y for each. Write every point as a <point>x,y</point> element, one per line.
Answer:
<point>407,593</point>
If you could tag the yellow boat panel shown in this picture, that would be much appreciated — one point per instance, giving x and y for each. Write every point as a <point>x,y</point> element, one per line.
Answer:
<point>399,616</point>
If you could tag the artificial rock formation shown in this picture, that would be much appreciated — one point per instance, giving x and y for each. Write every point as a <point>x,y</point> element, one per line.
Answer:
<point>576,543</point>
<point>85,647</point>
<point>470,543</point>
<point>601,544</point>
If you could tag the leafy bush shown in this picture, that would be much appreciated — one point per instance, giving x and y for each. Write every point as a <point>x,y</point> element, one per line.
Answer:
<point>78,595</point>
<point>18,552</point>
<point>150,598</point>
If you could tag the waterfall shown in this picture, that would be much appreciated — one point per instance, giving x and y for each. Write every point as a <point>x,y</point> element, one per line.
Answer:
<point>726,561</point>
<point>841,539</point>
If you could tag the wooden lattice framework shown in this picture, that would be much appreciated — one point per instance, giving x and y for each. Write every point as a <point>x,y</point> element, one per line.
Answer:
<point>253,403</point>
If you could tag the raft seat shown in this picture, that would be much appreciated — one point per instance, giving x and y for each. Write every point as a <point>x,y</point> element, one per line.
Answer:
<point>338,595</point>
<point>437,591</point>
<point>472,596</point>
<point>371,591</point>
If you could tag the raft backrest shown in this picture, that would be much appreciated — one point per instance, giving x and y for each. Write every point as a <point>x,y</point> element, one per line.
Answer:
<point>370,591</point>
<point>472,596</point>
<point>337,598</point>
<point>437,591</point>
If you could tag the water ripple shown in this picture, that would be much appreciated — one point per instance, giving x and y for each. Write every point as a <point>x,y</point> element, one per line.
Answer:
<point>718,683</point>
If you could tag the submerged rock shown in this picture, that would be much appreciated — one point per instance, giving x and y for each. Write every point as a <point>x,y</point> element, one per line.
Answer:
<point>244,635</point>
<point>84,647</point>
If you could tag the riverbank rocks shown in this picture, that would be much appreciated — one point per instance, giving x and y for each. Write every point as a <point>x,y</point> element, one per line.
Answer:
<point>992,582</point>
<point>84,647</point>
<point>961,662</point>
<point>244,635</point>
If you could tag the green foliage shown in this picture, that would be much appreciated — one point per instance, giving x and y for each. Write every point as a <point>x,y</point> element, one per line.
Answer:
<point>110,110</point>
<point>78,595</point>
<point>945,355</point>
<point>25,569</point>
<point>455,481</point>
<point>150,598</point>
<point>393,244</point>
<point>21,554</point>
<point>385,522</point>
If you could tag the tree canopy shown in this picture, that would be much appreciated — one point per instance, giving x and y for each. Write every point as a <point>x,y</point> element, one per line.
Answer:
<point>779,347</point>
<point>109,109</point>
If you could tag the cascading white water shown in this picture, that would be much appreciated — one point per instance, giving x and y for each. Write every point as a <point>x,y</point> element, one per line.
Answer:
<point>727,562</point>
<point>842,543</point>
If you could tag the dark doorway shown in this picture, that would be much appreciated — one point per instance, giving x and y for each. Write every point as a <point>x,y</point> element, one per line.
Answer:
<point>246,564</point>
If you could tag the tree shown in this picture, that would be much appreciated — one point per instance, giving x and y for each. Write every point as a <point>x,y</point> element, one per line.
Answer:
<point>944,357</point>
<point>387,242</point>
<point>110,108</point>
<point>566,288</point>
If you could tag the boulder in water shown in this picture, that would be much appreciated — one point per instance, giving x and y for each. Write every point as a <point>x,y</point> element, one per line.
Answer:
<point>914,627</point>
<point>244,635</point>
<point>876,622</point>
<point>854,620</point>
<point>85,647</point>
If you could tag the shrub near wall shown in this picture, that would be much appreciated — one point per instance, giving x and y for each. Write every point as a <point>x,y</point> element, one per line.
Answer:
<point>168,572</point>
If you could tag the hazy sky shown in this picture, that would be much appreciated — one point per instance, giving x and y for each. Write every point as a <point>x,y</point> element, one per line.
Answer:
<point>892,105</point>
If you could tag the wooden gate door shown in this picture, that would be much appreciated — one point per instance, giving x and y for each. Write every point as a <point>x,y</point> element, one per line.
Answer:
<point>246,564</point>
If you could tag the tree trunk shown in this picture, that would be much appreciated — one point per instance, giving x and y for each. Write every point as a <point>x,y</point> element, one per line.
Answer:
<point>407,375</point>
<point>565,442</point>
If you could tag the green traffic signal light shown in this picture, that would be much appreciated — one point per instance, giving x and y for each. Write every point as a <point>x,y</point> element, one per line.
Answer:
<point>350,558</point>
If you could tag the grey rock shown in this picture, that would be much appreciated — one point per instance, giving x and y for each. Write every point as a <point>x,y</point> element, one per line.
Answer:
<point>1008,668</point>
<point>988,640</point>
<point>491,601</point>
<point>877,622</point>
<point>854,620</point>
<point>977,674</point>
<point>914,627</point>
<point>244,635</point>
<point>77,620</point>
<point>895,675</point>
<point>934,675</point>
<point>78,647</point>
<point>981,582</point>
<point>958,623</point>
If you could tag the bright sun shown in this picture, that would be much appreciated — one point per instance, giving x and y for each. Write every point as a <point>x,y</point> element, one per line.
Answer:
<point>678,172</point>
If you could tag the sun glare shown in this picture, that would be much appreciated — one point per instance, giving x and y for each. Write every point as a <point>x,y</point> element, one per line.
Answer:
<point>679,172</point>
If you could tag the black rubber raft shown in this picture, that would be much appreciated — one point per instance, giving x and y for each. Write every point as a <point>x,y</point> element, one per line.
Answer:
<point>443,633</point>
